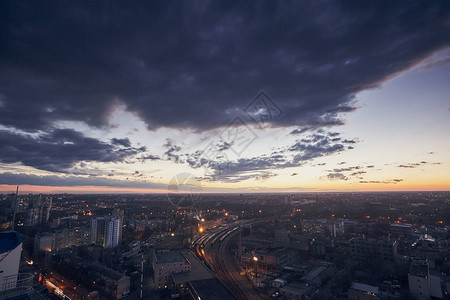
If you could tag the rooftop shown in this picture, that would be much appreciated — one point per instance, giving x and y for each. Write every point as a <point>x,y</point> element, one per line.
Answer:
<point>421,270</point>
<point>169,256</point>
<point>297,288</point>
<point>274,251</point>
<point>365,287</point>
<point>314,273</point>
<point>401,225</point>
<point>113,274</point>
<point>198,270</point>
<point>210,289</point>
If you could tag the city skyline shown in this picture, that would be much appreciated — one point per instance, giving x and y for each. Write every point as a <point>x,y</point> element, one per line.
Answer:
<point>255,97</point>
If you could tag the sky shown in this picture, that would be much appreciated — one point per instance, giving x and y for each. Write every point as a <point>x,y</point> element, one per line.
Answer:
<point>214,96</point>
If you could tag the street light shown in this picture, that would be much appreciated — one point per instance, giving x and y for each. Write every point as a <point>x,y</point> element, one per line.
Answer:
<point>255,259</point>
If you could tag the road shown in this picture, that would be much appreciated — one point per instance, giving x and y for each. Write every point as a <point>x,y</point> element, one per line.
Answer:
<point>63,286</point>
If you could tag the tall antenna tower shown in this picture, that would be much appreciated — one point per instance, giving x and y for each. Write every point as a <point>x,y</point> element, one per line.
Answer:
<point>15,208</point>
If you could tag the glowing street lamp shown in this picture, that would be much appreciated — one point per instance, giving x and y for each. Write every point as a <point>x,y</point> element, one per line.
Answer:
<point>255,259</point>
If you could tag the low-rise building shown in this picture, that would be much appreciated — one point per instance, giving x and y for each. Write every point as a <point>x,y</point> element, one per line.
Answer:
<point>62,238</point>
<point>167,262</point>
<point>319,273</point>
<point>423,284</point>
<point>364,249</point>
<point>297,291</point>
<point>397,229</point>
<point>275,257</point>
<point>112,282</point>
<point>252,241</point>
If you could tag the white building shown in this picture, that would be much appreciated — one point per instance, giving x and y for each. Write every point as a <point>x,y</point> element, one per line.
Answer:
<point>113,232</point>
<point>10,251</point>
<point>106,231</point>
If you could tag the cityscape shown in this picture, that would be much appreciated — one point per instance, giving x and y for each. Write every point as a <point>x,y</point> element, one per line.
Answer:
<point>228,246</point>
<point>203,150</point>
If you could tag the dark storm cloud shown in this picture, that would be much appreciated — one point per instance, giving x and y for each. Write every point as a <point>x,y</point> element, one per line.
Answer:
<point>59,149</point>
<point>52,180</point>
<point>191,64</point>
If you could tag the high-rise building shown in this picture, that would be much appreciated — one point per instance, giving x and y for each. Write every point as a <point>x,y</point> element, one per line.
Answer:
<point>49,208</point>
<point>113,232</point>
<point>38,211</point>
<point>119,213</point>
<point>98,230</point>
<point>106,231</point>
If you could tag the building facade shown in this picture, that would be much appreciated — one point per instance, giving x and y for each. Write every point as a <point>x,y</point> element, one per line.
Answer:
<point>106,232</point>
<point>167,262</point>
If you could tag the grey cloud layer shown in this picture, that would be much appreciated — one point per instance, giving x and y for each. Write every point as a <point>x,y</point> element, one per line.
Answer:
<point>51,180</point>
<point>188,64</point>
<point>60,149</point>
